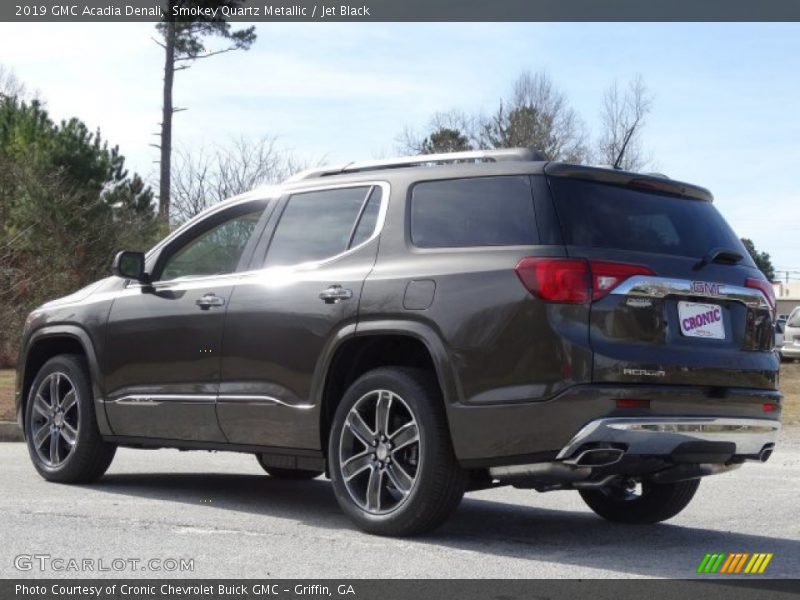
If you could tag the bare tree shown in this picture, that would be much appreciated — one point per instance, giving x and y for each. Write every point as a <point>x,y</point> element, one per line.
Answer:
<point>538,116</point>
<point>202,178</point>
<point>623,117</point>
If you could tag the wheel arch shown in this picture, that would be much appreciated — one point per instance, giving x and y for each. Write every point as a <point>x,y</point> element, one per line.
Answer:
<point>376,344</point>
<point>47,342</point>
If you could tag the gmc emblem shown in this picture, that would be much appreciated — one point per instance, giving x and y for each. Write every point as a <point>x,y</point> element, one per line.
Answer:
<point>707,289</point>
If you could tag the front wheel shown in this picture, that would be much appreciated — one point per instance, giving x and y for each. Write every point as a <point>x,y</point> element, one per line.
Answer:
<point>392,464</point>
<point>641,502</point>
<point>60,425</point>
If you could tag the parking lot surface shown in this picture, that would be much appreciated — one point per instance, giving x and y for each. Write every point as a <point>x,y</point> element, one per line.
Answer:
<point>223,513</point>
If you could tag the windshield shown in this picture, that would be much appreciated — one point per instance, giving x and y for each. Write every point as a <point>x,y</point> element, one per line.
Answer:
<point>599,215</point>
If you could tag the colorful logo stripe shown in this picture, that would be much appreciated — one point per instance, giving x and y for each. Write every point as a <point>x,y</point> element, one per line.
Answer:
<point>735,562</point>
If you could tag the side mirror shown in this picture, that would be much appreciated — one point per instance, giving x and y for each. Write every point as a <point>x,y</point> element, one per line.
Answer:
<point>130,265</point>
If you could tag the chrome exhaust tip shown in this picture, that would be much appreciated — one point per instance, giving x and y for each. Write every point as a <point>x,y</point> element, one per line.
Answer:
<point>766,452</point>
<point>596,457</point>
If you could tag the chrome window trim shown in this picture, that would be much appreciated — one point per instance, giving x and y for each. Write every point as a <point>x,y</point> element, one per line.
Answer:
<point>648,286</point>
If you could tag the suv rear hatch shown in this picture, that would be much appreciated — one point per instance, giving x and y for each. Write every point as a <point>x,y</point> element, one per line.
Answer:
<point>676,297</point>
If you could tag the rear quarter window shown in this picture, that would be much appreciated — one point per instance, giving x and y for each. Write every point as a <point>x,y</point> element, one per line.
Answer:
<point>481,211</point>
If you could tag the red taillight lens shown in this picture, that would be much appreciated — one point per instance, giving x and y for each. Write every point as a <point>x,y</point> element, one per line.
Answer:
<point>574,281</point>
<point>555,279</point>
<point>769,407</point>
<point>766,289</point>
<point>608,275</point>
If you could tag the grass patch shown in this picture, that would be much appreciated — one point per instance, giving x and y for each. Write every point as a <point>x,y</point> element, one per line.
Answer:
<point>7,377</point>
<point>790,386</point>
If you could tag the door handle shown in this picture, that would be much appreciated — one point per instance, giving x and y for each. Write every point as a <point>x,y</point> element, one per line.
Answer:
<point>209,300</point>
<point>335,293</point>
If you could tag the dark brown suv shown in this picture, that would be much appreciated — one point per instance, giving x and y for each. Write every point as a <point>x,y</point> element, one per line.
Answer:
<point>420,327</point>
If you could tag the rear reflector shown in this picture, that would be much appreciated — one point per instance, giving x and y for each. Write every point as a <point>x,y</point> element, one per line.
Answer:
<point>574,281</point>
<point>630,403</point>
<point>770,407</point>
<point>766,289</point>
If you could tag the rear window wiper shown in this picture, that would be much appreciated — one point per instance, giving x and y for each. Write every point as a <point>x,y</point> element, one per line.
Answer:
<point>719,255</point>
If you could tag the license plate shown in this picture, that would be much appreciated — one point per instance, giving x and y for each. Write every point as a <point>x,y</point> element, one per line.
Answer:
<point>701,320</point>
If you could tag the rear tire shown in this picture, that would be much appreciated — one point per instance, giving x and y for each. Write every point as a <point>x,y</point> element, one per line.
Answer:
<point>61,431</point>
<point>400,475</point>
<point>657,501</point>
<point>287,474</point>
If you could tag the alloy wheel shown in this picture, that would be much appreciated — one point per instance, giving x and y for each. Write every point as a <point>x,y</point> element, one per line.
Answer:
<point>379,452</point>
<point>54,419</point>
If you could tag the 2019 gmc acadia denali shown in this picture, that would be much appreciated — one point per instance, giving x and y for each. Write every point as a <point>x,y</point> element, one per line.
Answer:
<point>420,327</point>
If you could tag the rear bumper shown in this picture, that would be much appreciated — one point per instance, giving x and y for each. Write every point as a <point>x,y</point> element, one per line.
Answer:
<point>664,436</point>
<point>533,432</point>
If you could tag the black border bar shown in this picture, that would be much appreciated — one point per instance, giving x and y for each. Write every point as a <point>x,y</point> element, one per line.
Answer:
<point>418,10</point>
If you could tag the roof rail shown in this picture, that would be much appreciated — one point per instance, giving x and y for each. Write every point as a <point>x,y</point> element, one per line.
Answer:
<point>505,154</point>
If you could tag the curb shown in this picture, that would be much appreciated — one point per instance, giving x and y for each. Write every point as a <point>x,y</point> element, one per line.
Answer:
<point>10,432</point>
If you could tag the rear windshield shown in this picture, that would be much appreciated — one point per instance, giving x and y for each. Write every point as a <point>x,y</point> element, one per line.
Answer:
<point>607,216</point>
<point>480,211</point>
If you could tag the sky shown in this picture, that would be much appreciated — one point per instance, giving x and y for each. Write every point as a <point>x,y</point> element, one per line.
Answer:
<point>726,97</point>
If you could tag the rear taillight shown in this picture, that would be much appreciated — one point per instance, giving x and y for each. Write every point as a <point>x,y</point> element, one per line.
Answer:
<point>574,281</point>
<point>608,275</point>
<point>766,289</point>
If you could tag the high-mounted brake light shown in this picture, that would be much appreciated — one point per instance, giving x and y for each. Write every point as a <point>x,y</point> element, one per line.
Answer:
<point>766,289</point>
<point>574,280</point>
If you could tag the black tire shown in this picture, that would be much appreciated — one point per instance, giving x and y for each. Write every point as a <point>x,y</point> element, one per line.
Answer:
<point>288,474</point>
<point>88,456</point>
<point>657,501</point>
<point>438,482</point>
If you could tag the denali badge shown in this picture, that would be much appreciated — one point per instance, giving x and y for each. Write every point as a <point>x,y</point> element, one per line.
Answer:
<point>644,373</point>
<point>706,288</point>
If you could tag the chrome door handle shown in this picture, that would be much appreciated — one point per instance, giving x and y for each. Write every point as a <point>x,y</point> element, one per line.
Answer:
<point>335,293</point>
<point>209,300</point>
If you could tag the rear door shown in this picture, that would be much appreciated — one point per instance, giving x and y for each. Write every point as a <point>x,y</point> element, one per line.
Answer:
<point>282,316</point>
<point>677,298</point>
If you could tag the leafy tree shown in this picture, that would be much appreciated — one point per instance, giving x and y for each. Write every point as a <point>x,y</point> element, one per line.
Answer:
<point>183,40</point>
<point>66,205</point>
<point>762,259</point>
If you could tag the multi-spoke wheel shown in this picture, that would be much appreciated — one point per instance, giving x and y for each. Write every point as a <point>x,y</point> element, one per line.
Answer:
<point>60,426</point>
<point>643,501</point>
<point>379,460</point>
<point>54,423</point>
<point>392,464</point>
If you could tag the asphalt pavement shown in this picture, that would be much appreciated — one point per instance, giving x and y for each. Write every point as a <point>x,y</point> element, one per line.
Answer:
<point>221,515</point>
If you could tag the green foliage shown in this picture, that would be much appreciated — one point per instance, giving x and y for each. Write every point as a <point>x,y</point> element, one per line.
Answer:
<point>67,204</point>
<point>446,140</point>
<point>762,259</point>
<point>190,32</point>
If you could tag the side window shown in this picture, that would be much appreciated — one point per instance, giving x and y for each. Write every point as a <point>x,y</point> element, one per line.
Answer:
<point>369,218</point>
<point>214,252</point>
<point>316,225</point>
<point>481,211</point>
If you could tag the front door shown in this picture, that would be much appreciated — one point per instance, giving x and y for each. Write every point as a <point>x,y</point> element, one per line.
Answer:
<point>164,340</point>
